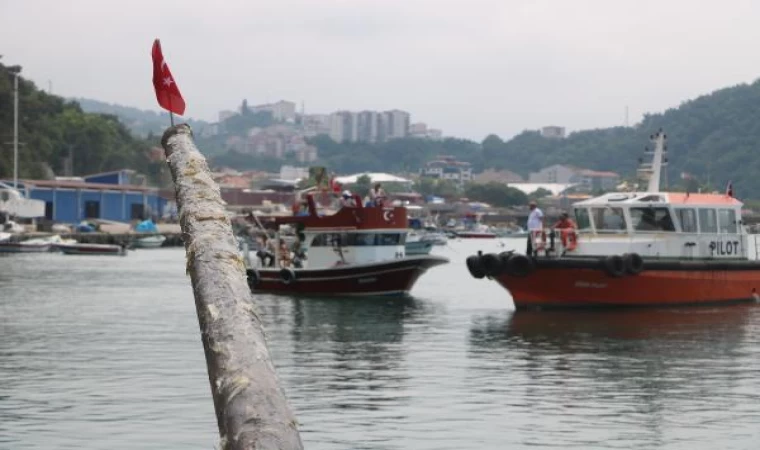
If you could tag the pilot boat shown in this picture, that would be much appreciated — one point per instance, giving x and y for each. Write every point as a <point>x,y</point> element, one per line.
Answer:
<point>647,248</point>
<point>359,250</point>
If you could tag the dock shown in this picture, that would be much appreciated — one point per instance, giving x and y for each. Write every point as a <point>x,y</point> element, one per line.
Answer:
<point>173,239</point>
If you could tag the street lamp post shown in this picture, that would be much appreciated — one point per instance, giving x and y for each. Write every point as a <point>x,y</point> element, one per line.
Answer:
<point>15,130</point>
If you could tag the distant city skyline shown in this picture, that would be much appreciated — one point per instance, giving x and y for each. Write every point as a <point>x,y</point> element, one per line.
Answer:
<point>469,68</point>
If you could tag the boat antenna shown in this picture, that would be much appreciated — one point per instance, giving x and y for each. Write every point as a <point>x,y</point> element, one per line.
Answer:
<point>659,148</point>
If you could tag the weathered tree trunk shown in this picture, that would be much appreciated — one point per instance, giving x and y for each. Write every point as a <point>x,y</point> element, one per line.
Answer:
<point>251,409</point>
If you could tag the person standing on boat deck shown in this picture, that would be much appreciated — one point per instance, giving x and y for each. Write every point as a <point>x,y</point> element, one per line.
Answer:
<point>535,223</point>
<point>377,195</point>
<point>347,201</point>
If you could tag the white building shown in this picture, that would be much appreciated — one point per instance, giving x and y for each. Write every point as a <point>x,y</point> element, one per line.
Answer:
<point>585,179</point>
<point>395,124</point>
<point>283,111</point>
<point>448,168</point>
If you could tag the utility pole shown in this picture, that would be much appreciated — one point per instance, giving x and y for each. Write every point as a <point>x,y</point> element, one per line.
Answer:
<point>15,131</point>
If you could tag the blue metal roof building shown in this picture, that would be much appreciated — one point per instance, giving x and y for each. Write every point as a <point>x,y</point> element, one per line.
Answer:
<point>101,196</point>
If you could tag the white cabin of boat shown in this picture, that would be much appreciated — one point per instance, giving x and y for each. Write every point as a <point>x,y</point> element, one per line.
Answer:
<point>353,235</point>
<point>661,224</point>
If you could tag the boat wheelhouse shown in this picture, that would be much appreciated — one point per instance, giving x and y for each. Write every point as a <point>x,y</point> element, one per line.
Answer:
<point>635,249</point>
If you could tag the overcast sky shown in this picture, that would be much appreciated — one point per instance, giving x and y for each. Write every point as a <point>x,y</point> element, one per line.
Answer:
<point>469,67</point>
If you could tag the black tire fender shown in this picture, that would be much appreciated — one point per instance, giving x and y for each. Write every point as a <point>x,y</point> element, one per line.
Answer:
<point>475,266</point>
<point>491,264</point>
<point>287,275</point>
<point>614,266</point>
<point>634,263</point>
<point>253,278</point>
<point>520,265</point>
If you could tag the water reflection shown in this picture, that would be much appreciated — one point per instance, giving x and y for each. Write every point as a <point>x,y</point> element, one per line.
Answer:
<point>632,372</point>
<point>349,352</point>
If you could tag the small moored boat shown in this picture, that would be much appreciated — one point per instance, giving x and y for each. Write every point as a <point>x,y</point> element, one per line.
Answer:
<point>92,249</point>
<point>149,242</point>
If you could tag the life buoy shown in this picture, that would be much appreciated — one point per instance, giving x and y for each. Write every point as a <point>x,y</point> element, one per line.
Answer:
<point>388,215</point>
<point>539,239</point>
<point>491,264</point>
<point>253,278</point>
<point>614,265</point>
<point>520,265</point>
<point>287,275</point>
<point>634,263</point>
<point>569,239</point>
<point>475,267</point>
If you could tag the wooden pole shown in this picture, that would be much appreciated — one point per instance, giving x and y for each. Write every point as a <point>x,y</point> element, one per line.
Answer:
<point>251,409</point>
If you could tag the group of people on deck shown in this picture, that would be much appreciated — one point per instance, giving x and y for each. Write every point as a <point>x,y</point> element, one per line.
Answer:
<point>377,197</point>
<point>536,223</point>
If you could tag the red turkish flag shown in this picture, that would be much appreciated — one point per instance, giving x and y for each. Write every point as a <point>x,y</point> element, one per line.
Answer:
<point>167,92</point>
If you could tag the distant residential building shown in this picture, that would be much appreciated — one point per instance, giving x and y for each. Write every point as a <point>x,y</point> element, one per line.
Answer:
<point>421,131</point>
<point>283,111</point>
<point>368,126</point>
<point>315,124</point>
<point>585,179</point>
<point>497,176</point>
<point>343,126</point>
<point>594,180</point>
<point>448,168</point>
<point>396,124</point>
<point>553,132</point>
<point>557,173</point>
<point>211,129</point>
<point>434,134</point>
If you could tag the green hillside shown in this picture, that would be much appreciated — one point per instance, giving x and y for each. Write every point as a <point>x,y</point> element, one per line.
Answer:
<point>715,137</point>
<point>141,122</point>
<point>53,130</point>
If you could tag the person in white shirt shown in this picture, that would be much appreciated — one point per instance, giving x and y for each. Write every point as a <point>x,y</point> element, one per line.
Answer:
<point>535,222</point>
<point>347,200</point>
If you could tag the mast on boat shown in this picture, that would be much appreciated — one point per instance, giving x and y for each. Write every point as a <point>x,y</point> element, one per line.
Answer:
<point>653,170</point>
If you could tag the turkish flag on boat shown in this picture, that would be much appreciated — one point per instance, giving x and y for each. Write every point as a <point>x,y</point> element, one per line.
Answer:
<point>167,92</point>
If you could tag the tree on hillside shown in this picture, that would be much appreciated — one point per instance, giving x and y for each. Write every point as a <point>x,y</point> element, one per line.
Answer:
<point>496,194</point>
<point>540,193</point>
<point>363,185</point>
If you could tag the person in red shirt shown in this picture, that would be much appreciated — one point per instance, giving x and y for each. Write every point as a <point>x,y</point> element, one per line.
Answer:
<point>566,227</point>
<point>565,222</point>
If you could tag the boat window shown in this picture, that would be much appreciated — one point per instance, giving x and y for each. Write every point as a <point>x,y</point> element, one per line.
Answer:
<point>688,219</point>
<point>362,239</point>
<point>708,222</point>
<point>582,219</point>
<point>610,220</point>
<point>358,239</point>
<point>390,239</point>
<point>727,221</point>
<point>652,219</point>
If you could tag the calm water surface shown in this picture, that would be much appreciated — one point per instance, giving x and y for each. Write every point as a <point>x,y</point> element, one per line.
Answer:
<point>104,352</point>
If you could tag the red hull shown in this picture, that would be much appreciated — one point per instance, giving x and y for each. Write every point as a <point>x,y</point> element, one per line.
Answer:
<point>573,287</point>
<point>382,278</point>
